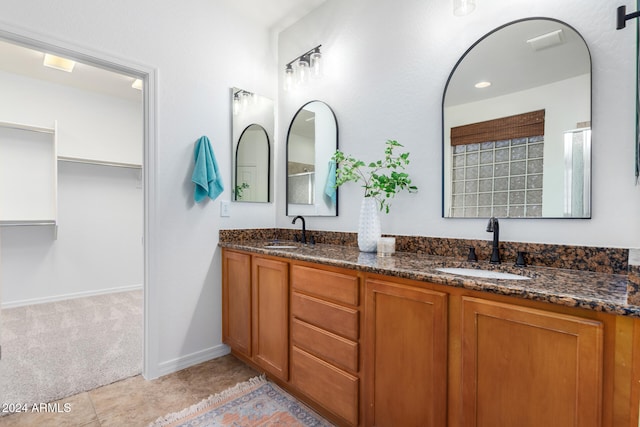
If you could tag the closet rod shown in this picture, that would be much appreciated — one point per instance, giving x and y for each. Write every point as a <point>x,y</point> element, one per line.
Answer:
<point>30,128</point>
<point>99,162</point>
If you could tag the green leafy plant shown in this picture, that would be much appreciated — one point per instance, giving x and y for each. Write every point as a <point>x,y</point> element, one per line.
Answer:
<point>382,179</point>
<point>239,189</point>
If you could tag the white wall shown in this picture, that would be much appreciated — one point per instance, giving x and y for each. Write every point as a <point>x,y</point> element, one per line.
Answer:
<point>200,49</point>
<point>386,68</point>
<point>99,243</point>
<point>90,125</point>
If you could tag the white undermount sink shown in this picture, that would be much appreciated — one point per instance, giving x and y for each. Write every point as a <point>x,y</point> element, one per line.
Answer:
<point>489,274</point>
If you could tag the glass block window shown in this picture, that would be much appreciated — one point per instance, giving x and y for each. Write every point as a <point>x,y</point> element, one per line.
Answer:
<point>498,178</point>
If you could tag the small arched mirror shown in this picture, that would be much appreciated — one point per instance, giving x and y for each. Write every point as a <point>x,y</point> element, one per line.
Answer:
<point>252,165</point>
<point>252,133</point>
<point>311,142</point>
<point>517,125</point>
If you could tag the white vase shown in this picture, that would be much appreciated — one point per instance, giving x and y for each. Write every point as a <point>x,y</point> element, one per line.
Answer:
<point>369,230</point>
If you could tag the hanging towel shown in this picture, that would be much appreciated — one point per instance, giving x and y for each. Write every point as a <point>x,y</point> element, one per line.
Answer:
<point>206,176</point>
<point>330,186</point>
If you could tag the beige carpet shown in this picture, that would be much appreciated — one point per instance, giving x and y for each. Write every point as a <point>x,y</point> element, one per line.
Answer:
<point>54,350</point>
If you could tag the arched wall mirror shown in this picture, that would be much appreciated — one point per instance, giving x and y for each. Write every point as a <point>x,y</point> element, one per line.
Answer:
<point>253,155</point>
<point>311,141</point>
<point>516,115</point>
<point>252,133</point>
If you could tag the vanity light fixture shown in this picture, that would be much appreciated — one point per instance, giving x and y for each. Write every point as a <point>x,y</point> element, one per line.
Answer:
<point>482,85</point>
<point>308,65</point>
<point>58,63</point>
<point>241,100</point>
<point>463,7</point>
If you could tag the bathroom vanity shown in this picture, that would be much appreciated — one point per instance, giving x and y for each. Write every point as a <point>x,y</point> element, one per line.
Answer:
<point>394,341</point>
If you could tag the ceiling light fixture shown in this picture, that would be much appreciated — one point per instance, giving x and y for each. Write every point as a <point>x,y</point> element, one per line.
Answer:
<point>463,7</point>
<point>58,63</point>
<point>308,65</point>
<point>137,84</point>
<point>482,85</point>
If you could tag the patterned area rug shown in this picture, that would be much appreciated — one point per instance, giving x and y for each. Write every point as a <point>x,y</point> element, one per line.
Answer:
<point>256,402</point>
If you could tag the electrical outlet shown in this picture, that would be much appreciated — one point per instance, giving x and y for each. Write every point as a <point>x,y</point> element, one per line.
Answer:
<point>225,208</point>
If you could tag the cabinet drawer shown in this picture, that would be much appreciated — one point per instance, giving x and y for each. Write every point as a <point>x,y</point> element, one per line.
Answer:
<point>335,390</point>
<point>332,317</point>
<point>333,348</point>
<point>337,287</point>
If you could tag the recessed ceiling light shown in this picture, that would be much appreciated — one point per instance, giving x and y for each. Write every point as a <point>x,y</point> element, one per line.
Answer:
<point>137,84</point>
<point>58,63</point>
<point>482,85</point>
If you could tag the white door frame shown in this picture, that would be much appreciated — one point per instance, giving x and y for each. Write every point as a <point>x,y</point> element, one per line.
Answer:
<point>149,75</point>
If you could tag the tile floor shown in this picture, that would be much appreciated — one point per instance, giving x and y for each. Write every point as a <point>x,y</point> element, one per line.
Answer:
<point>137,402</point>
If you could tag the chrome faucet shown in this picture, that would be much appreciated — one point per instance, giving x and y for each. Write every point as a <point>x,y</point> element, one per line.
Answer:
<point>304,228</point>
<point>494,227</point>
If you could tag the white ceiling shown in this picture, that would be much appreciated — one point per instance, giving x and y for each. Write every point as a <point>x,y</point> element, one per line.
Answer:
<point>273,15</point>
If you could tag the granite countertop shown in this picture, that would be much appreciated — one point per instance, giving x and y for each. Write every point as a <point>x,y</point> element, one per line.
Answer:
<point>573,288</point>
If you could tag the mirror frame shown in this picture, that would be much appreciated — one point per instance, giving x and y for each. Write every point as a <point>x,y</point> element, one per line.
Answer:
<point>266,134</point>
<point>335,119</point>
<point>263,117</point>
<point>444,94</point>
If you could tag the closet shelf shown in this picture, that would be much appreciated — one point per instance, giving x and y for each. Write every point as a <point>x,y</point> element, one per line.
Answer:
<point>20,223</point>
<point>31,128</point>
<point>99,162</point>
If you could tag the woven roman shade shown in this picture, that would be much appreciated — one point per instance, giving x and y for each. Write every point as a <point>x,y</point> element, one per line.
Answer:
<point>519,126</point>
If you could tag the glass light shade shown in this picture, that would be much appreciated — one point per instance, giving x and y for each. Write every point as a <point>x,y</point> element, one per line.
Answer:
<point>303,72</point>
<point>288,78</point>
<point>236,104</point>
<point>316,64</point>
<point>246,96</point>
<point>463,7</point>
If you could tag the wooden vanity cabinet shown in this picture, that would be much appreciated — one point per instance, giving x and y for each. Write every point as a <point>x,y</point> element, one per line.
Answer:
<point>255,310</point>
<point>325,334</point>
<point>236,301</point>
<point>372,350</point>
<point>405,359</point>
<point>528,367</point>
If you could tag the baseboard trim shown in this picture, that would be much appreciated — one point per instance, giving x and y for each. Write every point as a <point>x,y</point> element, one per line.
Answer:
<point>75,295</point>
<point>180,363</point>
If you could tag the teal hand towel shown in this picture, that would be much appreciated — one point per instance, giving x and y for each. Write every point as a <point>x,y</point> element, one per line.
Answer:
<point>330,186</point>
<point>206,176</point>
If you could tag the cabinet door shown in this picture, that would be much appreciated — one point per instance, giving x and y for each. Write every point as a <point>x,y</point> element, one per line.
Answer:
<point>271,316</point>
<point>527,367</point>
<point>406,355</point>
<point>236,301</point>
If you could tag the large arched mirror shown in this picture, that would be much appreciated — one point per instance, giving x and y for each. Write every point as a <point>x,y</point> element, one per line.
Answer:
<point>253,155</point>
<point>311,141</point>
<point>517,125</point>
<point>252,133</point>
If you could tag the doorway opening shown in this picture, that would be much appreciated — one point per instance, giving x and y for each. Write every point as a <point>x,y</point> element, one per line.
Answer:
<point>105,187</point>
